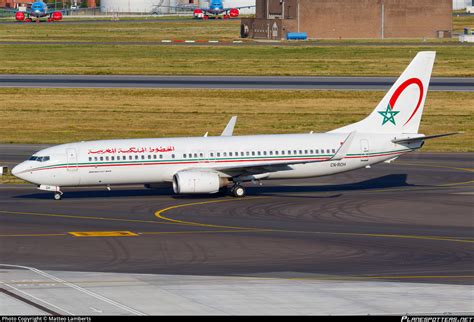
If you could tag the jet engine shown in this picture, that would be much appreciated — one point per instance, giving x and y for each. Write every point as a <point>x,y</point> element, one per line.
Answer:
<point>198,13</point>
<point>198,181</point>
<point>20,16</point>
<point>234,13</point>
<point>57,15</point>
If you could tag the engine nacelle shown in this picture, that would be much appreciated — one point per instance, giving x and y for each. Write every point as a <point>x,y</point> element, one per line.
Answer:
<point>198,13</point>
<point>57,15</point>
<point>20,16</point>
<point>234,13</point>
<point>197,181</point>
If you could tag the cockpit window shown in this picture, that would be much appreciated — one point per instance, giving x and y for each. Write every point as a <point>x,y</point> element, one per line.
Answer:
<point>39,159</point>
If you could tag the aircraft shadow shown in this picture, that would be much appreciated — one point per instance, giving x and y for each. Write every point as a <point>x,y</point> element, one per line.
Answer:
<point>384,182</point>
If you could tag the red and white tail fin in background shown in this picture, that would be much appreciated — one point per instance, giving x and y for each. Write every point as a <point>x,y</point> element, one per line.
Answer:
<point>401,109</point>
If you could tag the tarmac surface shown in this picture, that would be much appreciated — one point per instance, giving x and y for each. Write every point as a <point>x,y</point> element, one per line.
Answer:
<point>224,82</point>
<point>411,220</point>
<point>393,239</point>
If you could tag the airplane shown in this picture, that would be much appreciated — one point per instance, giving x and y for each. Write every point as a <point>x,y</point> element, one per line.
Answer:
<point>216,8</point>
<point>208,164</point>
<point>38,10</point>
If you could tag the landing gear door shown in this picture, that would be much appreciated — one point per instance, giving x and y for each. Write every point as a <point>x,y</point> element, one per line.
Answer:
<point>364,149</point>
<point>71,159</point>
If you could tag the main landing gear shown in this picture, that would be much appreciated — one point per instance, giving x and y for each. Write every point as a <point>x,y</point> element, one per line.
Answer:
<point>237,191</point>
<point>58,195</point>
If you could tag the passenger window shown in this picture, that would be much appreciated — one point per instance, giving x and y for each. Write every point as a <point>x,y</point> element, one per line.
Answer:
<point>305,151</point>
<point>90,159</point>
<point>136,157</point>
<point>230,154</point>
<point>259,153</point>
<point>276,152</point>
<point>112,158</point>
<point>161,156</point>
<point>184,156</point>
<point>317,151</point>
<point>225,154</point>
<point>295,152</point>
<point>301,151</point>
<point>333,151</point>
<point>101,158</point>
<point>271,152</point>
<point>328,151</point>
<point>172,156</point>
<point>130,157</point>
<point>106,158</point>
<point>95,158</point>
<point>264,152</point>
<point>218,154</point>
<point>253,153</point>
<point>201,155</point>
<point>289,152</point>
<point>311,151</point>
<point>212,154</point>
<point>247,153</point>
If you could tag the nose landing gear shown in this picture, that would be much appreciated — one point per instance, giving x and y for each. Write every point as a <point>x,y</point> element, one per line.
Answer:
<point>57,190</point>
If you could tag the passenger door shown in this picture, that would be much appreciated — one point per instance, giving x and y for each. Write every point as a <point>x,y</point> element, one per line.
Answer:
<point>71,159</point>
<point>364,148</point>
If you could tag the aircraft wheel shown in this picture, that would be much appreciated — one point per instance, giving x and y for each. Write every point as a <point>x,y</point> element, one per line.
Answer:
<point>57,196</point>
<point>238,191</point>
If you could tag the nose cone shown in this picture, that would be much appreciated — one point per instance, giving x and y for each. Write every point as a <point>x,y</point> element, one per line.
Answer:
<point>17,171</point>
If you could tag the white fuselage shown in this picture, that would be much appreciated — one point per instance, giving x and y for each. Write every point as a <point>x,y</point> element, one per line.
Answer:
<point>149,161</point>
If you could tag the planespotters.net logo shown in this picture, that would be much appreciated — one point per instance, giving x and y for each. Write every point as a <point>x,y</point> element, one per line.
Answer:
<point>389,114</point>
<point>447,318</point>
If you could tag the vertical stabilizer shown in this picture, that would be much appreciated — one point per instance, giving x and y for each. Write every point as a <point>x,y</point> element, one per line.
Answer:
<point>401,109</point>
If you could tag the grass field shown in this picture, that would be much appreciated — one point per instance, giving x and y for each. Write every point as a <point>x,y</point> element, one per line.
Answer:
<point>226,60</point>
<point>130,31</point>
<point>65,115</point>
<point>105,56</point>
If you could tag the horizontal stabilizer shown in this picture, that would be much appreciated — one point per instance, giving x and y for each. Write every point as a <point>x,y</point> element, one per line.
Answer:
<point>422,138</point>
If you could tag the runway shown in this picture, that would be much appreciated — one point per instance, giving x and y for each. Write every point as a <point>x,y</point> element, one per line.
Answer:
<point>409,221</point>
<point>224,82</point>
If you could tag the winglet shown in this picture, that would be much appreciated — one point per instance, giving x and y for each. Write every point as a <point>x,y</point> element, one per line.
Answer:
<point>229,129</point>
<point>344,148</point>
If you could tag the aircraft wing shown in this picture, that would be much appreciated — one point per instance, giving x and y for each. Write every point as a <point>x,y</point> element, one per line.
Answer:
<point>281,164</point>
<point>243,7</point>
<point>208,10</point>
